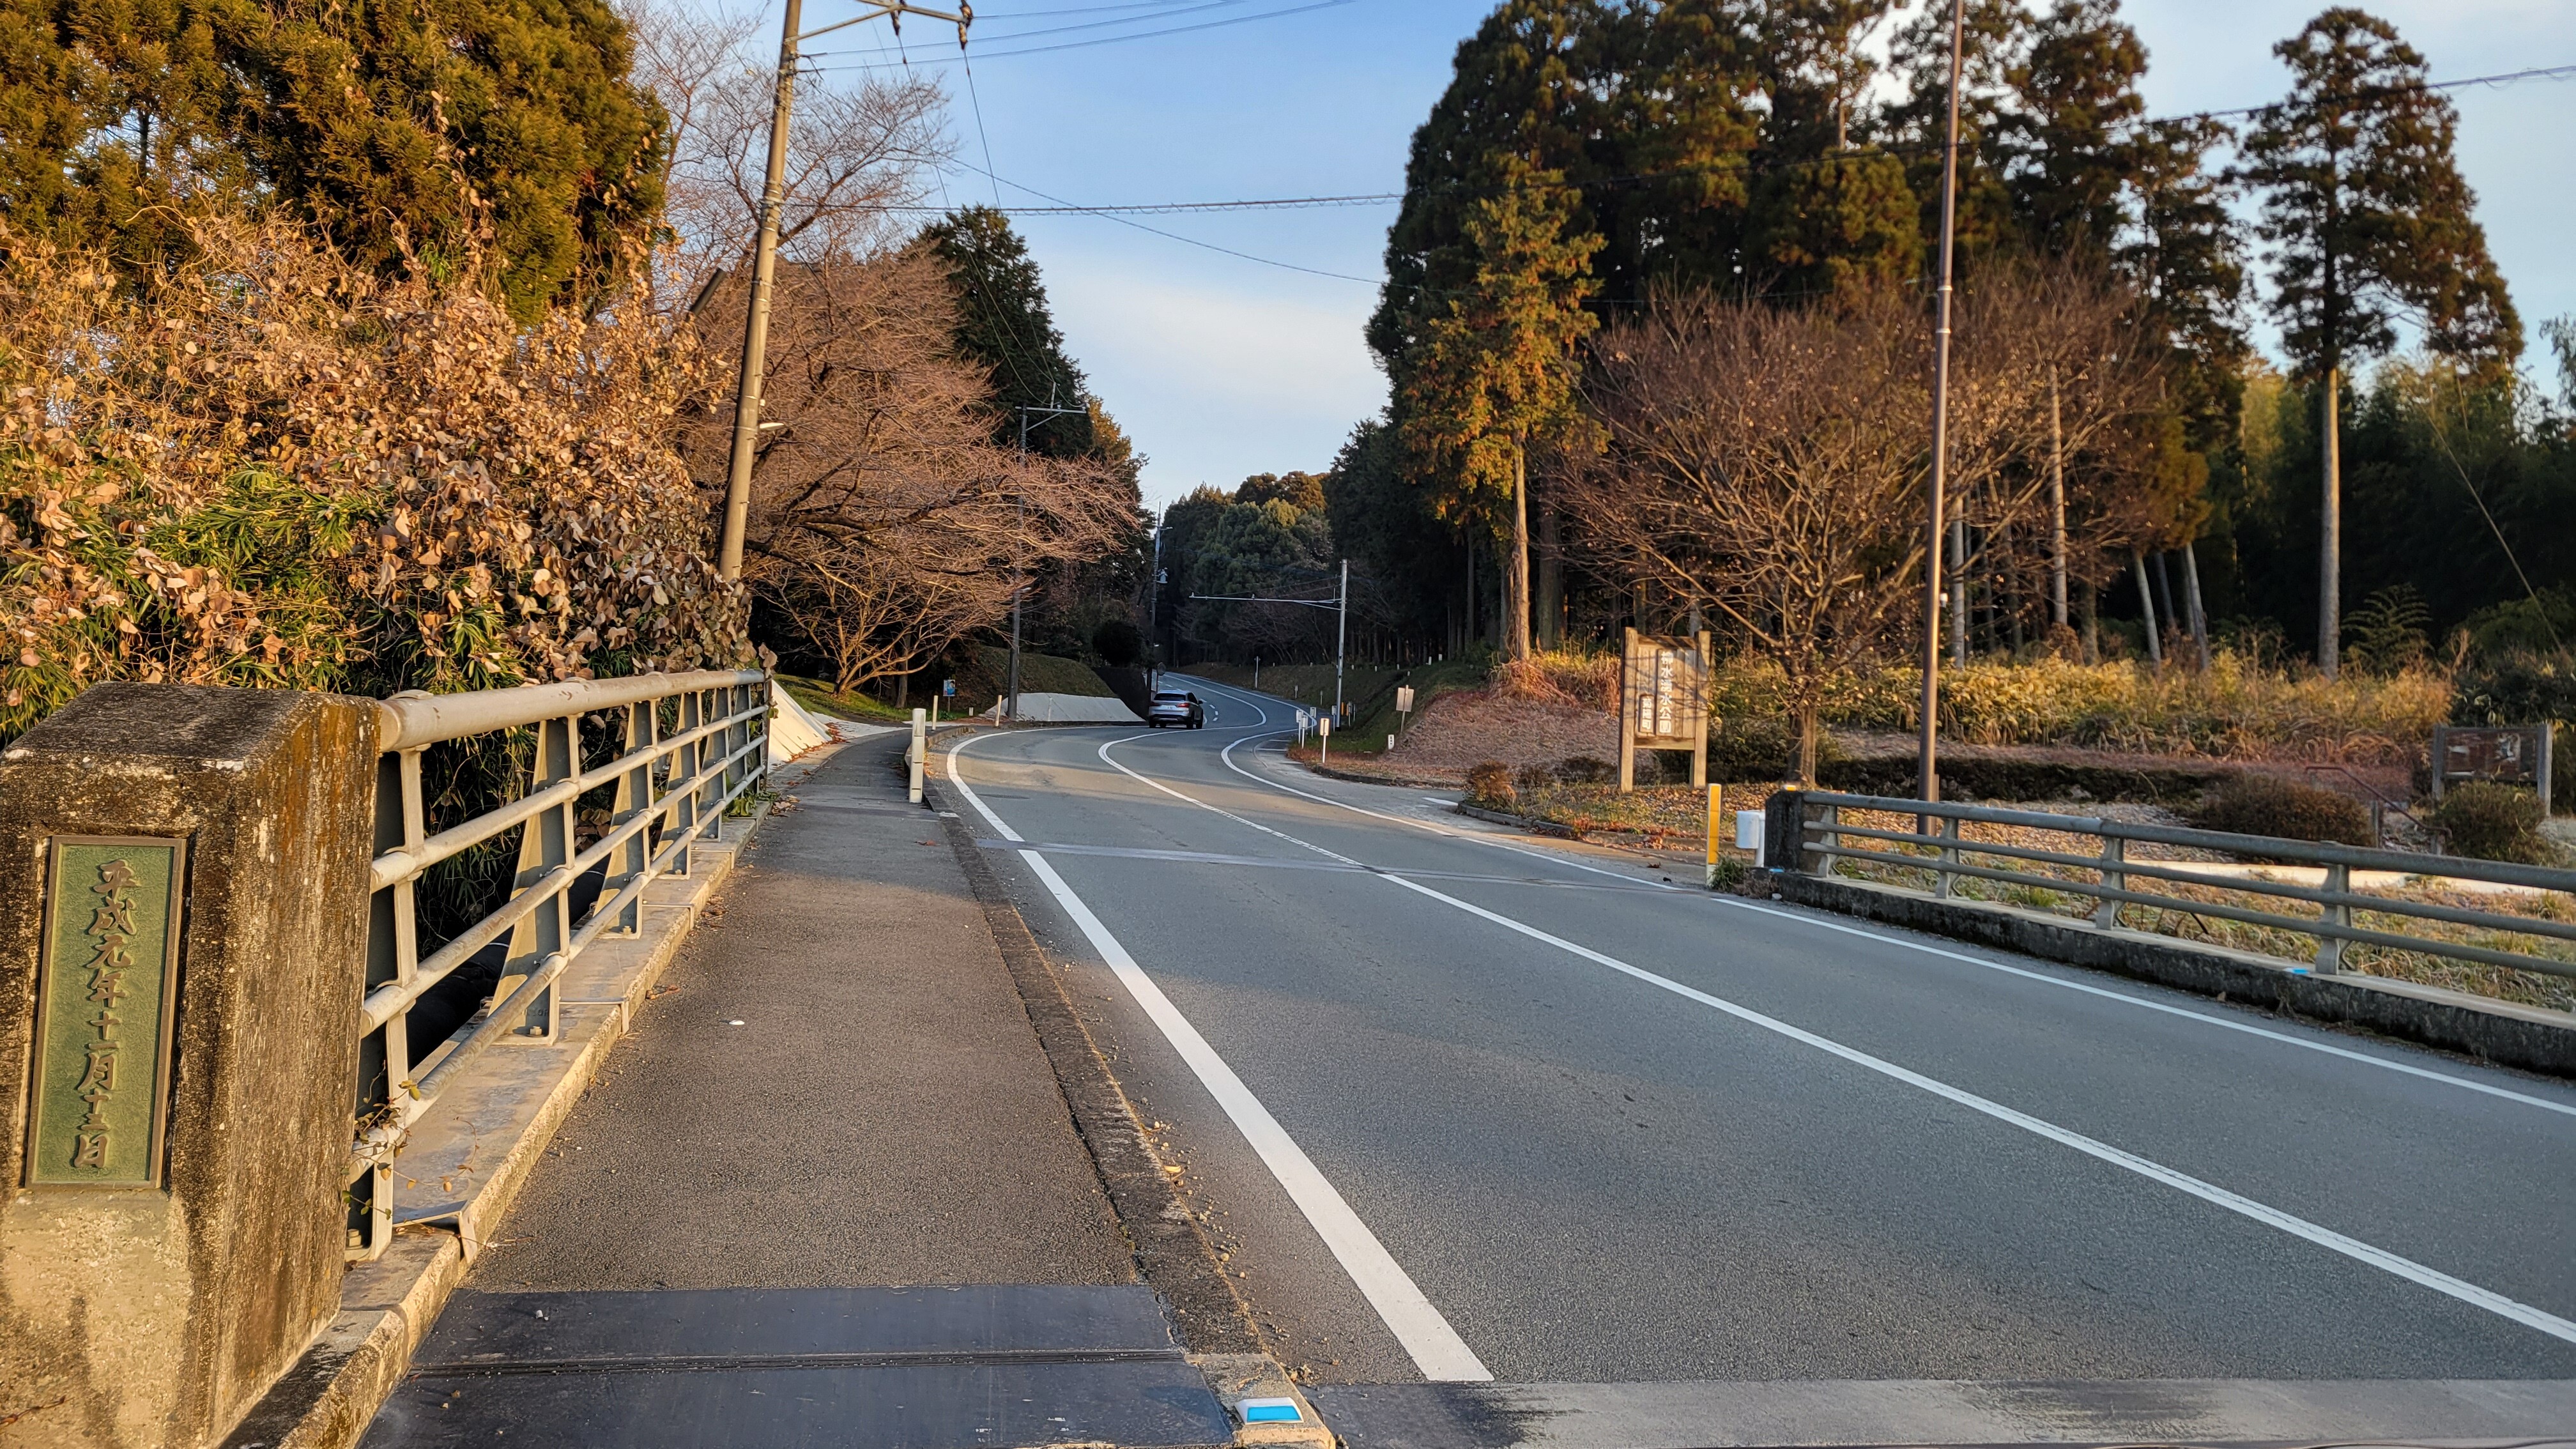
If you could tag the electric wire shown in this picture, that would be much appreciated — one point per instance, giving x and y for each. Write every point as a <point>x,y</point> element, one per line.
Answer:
<point>1139,35</point>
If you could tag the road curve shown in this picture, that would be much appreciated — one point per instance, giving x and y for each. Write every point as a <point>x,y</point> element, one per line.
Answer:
<point>1462,1104</point>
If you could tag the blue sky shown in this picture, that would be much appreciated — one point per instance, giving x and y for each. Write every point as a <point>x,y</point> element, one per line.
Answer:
<point>1221,367</point>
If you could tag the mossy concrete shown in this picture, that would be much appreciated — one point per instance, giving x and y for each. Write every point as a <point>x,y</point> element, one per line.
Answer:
<point>142,1316</point>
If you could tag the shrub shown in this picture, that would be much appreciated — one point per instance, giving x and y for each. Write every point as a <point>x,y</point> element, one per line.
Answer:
<point>266,468</point>
<point>2492,821</point>
<point>2285,809</point>
<point>1530,779</point>
<point>1490,785</point>
<point>1586,770</point>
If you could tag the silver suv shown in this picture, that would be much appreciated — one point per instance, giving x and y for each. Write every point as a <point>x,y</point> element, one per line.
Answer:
<point>1174,707</point>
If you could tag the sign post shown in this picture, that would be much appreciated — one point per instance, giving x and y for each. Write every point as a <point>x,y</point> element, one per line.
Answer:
<point>1663,703</point>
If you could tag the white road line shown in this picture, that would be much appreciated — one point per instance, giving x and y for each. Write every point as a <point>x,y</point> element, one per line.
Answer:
<point>1805,918</point>
<point>1437,1350</point>
<point>2324,1237</point>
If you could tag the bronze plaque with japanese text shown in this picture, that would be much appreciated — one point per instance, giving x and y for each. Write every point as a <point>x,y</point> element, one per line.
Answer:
<point>106,990</point>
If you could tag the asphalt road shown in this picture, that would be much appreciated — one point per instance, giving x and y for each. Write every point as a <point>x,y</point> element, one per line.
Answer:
<point>1460,1103</point>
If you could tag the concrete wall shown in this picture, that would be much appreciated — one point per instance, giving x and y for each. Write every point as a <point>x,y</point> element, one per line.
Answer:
<point>156,1315</point>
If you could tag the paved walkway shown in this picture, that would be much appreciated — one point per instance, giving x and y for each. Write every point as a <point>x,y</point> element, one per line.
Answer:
<point>835,1088</point>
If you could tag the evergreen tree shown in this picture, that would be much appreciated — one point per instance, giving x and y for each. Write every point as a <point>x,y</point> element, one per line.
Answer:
<point>2073,142</point>
<point>1520,98</point>
<point>1494,370</point>
<point>2370,217</point>
<point>1003,322</point>
<point>1676,89</point>
<point>1995,41</point>
<point>509,126</point>
<point>412,125</point>
<point>112,112</point>
<point>1825,217</point>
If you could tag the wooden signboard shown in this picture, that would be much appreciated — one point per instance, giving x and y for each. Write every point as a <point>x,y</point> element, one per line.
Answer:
<point>2511,754</point>
<point>1663,703</point>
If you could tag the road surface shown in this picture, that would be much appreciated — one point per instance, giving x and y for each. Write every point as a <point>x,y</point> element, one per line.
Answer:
<point>1462,1105</point>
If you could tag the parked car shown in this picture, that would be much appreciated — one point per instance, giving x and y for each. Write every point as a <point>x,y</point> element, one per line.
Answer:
<point>1175,707</point>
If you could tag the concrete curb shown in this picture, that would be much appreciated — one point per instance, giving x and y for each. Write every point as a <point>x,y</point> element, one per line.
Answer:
<point>1530,823</point>
<point>387,1307</point>
<point>2499,1032</point>
<point>1401,782</point>
<point>1172,1251</point>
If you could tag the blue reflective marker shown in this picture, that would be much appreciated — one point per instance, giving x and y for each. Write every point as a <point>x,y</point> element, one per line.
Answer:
<point>1269,1411</point>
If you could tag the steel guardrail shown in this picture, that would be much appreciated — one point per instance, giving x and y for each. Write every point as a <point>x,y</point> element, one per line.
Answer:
<point>688,747</point>
<point>1822,835</point>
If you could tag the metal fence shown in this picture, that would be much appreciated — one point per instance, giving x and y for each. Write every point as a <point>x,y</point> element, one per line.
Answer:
<point>1816,835</point>
<point>674,752</point>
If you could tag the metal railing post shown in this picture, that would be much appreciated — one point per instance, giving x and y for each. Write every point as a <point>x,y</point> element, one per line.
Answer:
<point>634,797</point>
<point>1827,853</point>
<point>2114,851</point>
<point>2335,913</point>
<point>1941,877</point>
<point>545,847</point>
<point>685,764</point>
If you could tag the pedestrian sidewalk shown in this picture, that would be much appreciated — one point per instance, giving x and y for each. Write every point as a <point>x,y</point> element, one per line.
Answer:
<point>829,1191</point>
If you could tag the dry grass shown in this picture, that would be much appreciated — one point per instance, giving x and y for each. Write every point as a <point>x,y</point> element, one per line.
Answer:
<point>2232,711</point>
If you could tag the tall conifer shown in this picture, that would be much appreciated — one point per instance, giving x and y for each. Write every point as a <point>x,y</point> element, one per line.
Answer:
<point>2370,219</point>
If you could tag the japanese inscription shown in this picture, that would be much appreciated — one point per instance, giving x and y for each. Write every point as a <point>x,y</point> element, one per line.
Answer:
<point>105,994</point>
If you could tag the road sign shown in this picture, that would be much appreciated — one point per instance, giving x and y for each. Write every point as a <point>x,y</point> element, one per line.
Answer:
<point>1404,699</point>
<point>948,687</point>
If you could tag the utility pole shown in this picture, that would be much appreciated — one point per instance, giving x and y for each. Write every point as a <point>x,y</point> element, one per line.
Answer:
<point>2056,508</point>
<point>1021,587</point>
<point>1929,763</point>
<point>764,266</point>
<point>1342,632</point>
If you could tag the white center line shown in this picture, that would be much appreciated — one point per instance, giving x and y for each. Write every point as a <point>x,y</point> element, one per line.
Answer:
<point>1436,1348</point>
<point>2324,1237</point>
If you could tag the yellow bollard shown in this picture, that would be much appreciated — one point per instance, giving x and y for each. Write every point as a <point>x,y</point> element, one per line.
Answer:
<point>1716,798</point>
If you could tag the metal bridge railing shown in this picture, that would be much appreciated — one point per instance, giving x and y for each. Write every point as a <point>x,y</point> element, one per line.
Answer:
<point>687,747</point>
<point>1819,836</point>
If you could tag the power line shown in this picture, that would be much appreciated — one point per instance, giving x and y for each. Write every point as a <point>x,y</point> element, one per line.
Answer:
<point>1122,39</point>
<point>1121,212</point>
<point>1380,198</point>
<point>1063,206</point>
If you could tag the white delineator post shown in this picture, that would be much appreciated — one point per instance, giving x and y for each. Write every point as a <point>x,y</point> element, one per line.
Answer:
<point>920,750</point>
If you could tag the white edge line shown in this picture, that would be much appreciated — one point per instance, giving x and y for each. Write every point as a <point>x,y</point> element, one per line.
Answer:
<point>1435,1347</point>
<point>2324,1237</point>
<point>1810,919</point>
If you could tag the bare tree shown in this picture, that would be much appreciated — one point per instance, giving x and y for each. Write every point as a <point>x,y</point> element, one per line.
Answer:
<point>2053,382</point>
<point>884,521</point>
<point>854,152</point>
<point>1762,464</point>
